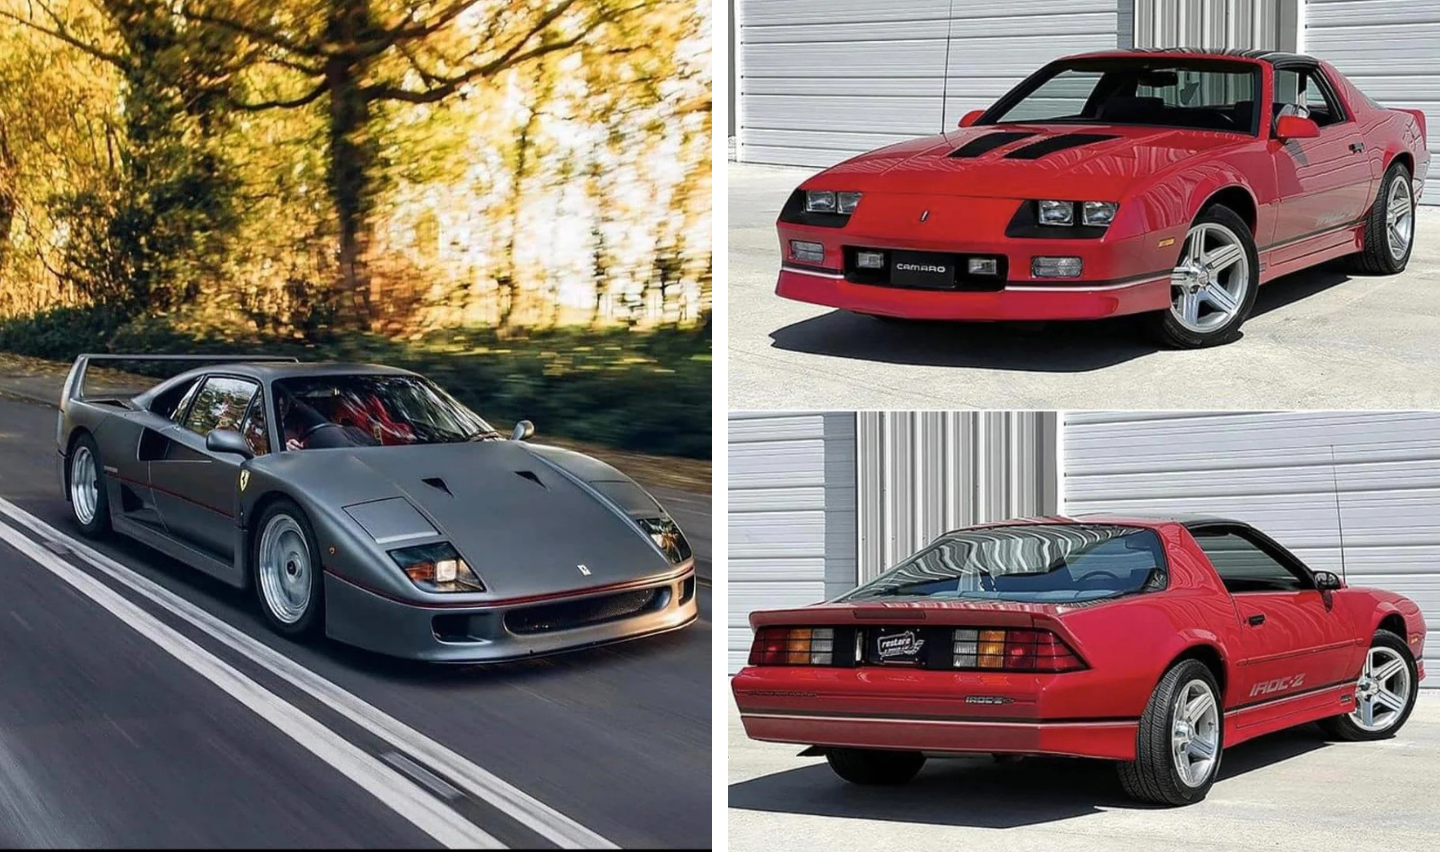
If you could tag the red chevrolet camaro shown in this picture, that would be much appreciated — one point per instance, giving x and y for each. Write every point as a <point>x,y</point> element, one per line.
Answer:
<point>1170,183</point>
<point>1154,643</point>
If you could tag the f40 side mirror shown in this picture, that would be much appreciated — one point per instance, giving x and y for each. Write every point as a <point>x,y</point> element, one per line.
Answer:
<point>1328,581</point>
<point>523,431</point>
<point>228,441</point>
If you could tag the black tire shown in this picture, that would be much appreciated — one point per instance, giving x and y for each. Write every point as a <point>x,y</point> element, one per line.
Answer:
<point>1342,727</point>
<point>99,524</point>
<point>1375,258</point>
<point>1153,776</point>
<point>874,766</point>
<point>312,619</point>
<point>1167,328</point>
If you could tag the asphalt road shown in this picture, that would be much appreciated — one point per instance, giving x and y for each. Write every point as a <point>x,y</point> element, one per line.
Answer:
<point>1286,791</point>
<point>142,704</point>
<point>1318,339</point>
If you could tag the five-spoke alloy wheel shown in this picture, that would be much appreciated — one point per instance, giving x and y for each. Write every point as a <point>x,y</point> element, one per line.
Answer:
<point>1213,284</point>
<point>1384,693</point>
<point>1180,741</point>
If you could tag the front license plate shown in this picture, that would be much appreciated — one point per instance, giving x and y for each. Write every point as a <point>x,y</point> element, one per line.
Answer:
<point>896,645</point>
<point>923,269</point>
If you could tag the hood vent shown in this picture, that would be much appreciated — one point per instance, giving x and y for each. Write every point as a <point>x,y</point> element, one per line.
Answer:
<point>1036,150</point>
<point>437,482</point>
<point>530,475</point>
<point>987,143</point>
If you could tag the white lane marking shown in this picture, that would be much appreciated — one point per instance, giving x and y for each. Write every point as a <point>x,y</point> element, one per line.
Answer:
<point>434,783</point>
<point>515,803</point>
<point>399,793</point>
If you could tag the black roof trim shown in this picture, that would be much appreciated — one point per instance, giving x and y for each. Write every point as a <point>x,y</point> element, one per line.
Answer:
<point>1271,56</point>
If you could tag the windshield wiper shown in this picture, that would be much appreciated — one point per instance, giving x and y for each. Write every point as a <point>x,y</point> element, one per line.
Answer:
<point>483,435</point>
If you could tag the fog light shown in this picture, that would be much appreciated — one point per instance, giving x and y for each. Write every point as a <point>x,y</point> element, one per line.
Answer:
<point>982,266</point>
<point>870,260</point>
<point>808,252</point>
<point>1055,267</point>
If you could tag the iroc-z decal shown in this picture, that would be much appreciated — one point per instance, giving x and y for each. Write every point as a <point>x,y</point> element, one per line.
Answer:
<point>1279,684</point>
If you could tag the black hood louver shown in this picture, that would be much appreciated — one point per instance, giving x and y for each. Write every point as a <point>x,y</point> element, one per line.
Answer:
<point>1036,150</point>
<point>530,475</point>
<point>438,483</point>
<point>987,143</point>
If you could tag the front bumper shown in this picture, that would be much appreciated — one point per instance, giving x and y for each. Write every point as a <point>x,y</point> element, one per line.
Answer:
<point>485,634</point>
<point>909,709</point>
<point>1057,301</point>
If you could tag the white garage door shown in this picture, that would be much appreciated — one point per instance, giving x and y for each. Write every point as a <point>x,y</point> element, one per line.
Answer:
<point>1275,472</point>
<point>822,80</point>
<point>1389,48</point>
<point>791,515</point>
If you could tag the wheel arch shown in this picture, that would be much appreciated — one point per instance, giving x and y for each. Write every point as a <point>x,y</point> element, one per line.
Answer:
<point>70,441</point>
<point>1210,655</point>
<point>1235,197</point>
<point>1401,156</point>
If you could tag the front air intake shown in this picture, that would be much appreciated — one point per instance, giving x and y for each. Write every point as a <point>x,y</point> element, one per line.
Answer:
<point>987,143</point>
<point>1054,144</point>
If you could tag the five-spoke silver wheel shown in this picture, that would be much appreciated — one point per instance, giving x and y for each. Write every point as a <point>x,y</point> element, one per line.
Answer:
<point>84,484</point>
<point>1195,733</point>
<point>1383,691</point>
<point>1399,217</point>
<point>1212,279</point>
<point>284,568</point>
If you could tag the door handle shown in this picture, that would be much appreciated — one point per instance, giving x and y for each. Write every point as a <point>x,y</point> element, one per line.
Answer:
<point>1257,619</point>
<point>1357,147</point>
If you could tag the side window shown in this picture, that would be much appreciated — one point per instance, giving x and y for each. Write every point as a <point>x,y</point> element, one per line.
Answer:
<point>220,404</point>
<point>254,429</point>
<point>1244,566</point>
<point>1302,92</point>
<point>173,403</point>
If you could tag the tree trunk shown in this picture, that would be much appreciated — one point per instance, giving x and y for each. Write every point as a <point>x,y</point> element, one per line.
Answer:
<point>352,158</point>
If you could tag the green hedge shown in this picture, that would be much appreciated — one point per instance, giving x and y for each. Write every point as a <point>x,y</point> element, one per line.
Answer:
<point>643,391</point>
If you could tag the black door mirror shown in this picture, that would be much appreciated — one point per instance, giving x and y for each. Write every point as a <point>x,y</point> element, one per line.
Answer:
<point>524,430</point>
<point>1328,581</point>
<point>228,441</point>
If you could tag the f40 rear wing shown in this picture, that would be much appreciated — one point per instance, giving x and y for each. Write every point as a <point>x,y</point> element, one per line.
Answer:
<point>75,383</point>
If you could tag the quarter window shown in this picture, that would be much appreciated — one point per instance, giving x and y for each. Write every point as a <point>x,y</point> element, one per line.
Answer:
<point>220,404</point>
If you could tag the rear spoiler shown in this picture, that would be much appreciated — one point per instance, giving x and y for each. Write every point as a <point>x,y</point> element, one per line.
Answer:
<point>1419,120</point>
<point>75,383</point>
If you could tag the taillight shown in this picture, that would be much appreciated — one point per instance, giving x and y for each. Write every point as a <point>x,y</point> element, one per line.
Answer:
<point>1012,650</point>
<point>793,646</point>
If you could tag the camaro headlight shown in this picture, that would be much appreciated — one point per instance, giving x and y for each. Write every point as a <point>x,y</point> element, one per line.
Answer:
<point>1057,213</point>
<point>667,536</point>
<point>437,568</point>
<point>826,201</point>
<point>1061,213</point>
<point>1098,212</point>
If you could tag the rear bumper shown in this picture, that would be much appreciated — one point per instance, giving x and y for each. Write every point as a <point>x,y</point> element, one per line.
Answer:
<point>1062,300</point>
<point>483,634</point>
<point>938,711</point>
<point>1105,740</point>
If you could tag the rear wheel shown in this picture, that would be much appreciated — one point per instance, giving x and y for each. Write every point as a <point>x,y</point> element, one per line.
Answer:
<point>1214,283</point>
<point>1177,751</point>
<point>873,766</point>
<point>1384,694</point>
<point>88,501</point>
<point>287,569</point>
<point>1389,226</point>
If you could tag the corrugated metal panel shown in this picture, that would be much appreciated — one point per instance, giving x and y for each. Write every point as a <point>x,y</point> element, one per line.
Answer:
<point>822,80</point>
<point>791,516</point>
<point>1216,23</point>
<point>1390,49</point>
<point>1275,471</point>
<point>923,473</point>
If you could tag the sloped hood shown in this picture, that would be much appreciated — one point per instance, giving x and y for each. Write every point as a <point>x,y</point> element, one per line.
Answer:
<point>519,520</point>
<point>1025,161</point>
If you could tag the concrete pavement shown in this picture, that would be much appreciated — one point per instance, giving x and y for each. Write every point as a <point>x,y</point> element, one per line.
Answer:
<point>1319,339</point>
<point>1286,791</point>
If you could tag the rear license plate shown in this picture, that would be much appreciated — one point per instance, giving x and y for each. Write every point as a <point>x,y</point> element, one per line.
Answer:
<point>922,269</point>
<point>896,645</point>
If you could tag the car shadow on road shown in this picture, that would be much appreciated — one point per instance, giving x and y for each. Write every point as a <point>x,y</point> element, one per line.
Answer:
<point>982,793</point>
<point>1043,347</point>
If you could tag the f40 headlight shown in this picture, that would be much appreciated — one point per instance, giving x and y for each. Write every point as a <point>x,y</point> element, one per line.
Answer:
<point>437,568</point>
<point>667,536</point>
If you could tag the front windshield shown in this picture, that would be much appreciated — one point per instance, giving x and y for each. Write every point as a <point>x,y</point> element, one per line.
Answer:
<point>1154,91</point>
<point>1027,562</point>
<point>319,412</point>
